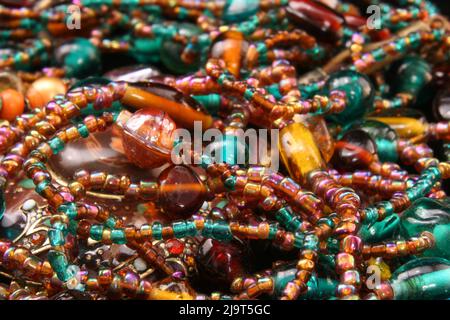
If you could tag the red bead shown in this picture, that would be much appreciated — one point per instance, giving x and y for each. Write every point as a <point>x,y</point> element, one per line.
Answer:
<point>354,21</point>
<point>316,18</point>
<point>175,246</point>
<point>181,193</point>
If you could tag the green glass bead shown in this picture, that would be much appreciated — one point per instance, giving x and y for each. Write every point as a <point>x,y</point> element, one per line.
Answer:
<point>412,75</point>
<point>118,236</point>
<point>146,50</point>
<point>56,144</point>
<point>429,215</point>
<point>170,51</point>
<point>380,230</point>
<point>422,278</point>
<point>230,149</point>
<point>239,10</point>
<point>79,57</point>
<point>359,92</point>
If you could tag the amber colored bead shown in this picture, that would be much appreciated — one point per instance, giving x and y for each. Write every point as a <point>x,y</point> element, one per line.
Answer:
<point>181,191</point>
<point>231,47</point>
<point>44,90</point>
<point>404,126</point>
<point>299,151</point>
<point>316,18</point>
<point>147,137</point>
<point>12,104</point>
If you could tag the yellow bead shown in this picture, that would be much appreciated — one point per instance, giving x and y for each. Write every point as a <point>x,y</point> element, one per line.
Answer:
<point>299,151</point>
<point>405,127</point>
<point>385,271</point>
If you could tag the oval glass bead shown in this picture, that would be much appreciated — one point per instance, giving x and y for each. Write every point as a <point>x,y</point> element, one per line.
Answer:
<point>181,192</point>
<point>412,75</point>
<point>405,127</point>
<point>299,151</point>
<point>359,91</point>
<point>147,137</point>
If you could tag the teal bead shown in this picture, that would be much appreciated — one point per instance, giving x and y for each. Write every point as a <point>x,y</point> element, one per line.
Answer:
<point>170,51</point>
<point>380,230</point>
<point>79,57</point>
<point>359,91</point>
<point>2,203</point>
<point>146,50</point>
<point>230,149</point>
<point>70,209</point>
<point>429,215</point>
<point>422,279</point>
<point>59,263</point>
<point>96,232</point>
<point>118,236</point>
<point>412,75</point>
<point>239,10</point>
<point>157,231</point>
<point>56,144</point>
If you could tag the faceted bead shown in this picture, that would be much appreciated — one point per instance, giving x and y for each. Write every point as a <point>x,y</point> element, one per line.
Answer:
<point>12,104</point>
<point>359,92</point>
<point>231,47</point>
<point>404,126</point>
<point>354,151</point>
<point>183,109</point>
<point>429,215</point>
<point>44,90</point>
<point>412,75</point>
<point>181,192</point>
<point>299,151</point>
<point>171,51</point>
<point>175,246</point>
<point>147,137</point>
<point>239,10</point>
<point>316,18</point>
<point>221,262</point>
<point>441,105</point>
<point>137,73</point>
<point>79,57</point>
<point>384,137</point>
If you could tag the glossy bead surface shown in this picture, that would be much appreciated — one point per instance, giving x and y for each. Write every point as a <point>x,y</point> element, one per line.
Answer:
<point>231,47</point>
<point>239,10</point>
<point>299,151</point>
<point>12,104</point>
<point>133,74</point>
<point>79,57</point>
<point>181,192</point>
<point>404,126</point>
<point>412,75</point>
<point>359,92</point>
<point>44,90</point>
<point>319,129</point>
<point>429,215</point>
<point>441,105</point>
<point>147,137</point>
<point>316,18</point>
<point>354,151</point>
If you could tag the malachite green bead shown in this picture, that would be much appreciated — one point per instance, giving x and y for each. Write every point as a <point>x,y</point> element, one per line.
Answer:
<point>171,51</point>
<point>429,215</point>
<point>79,57</point>
<point>380,230</point>
<point>239,10</point>
<point>412,75</point>
<point>359,92</point>
<point>422,279</point>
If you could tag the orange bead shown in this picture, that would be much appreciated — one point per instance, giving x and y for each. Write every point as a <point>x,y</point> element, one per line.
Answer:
<point>12,104</point>
<point>44,90</point>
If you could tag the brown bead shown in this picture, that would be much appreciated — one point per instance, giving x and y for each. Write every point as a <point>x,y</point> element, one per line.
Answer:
<point>181,191</point>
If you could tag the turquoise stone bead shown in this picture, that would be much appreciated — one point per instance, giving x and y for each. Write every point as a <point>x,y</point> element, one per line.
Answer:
<point>359,91</point>
<point>429,215</point>
<point>422,279</point>
<point>170,51</point>
<point>239,10</point>
<point>380,230</point>
<point>79,57</point>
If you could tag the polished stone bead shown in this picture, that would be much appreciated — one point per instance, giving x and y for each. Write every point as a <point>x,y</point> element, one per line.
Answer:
<point>299,151</point>
<point>429,215</point>
<point>171,51</point>
<point>79,57</point>
<point>354,151</point>
<point>441,105</point>
<point>147,137</point>
<point>231,47</point>
<point>181,192</point>
<point>359,92</point>
<point>239,10</point>
<point>316,18</point>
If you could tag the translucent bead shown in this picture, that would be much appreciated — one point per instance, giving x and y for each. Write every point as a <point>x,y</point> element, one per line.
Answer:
<point>231,47</point>
<point>359,92</point>
<point>412,75</point>
<point>299,151</point>
<point>181,192</point>
<point>239,10</point>
<point>147,137</point>
<point>429,215</point>
<point>404,126</point>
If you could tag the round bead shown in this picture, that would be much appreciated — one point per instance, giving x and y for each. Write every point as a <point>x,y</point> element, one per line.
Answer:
<point>359,92</point>
<point>12,104</point>
<point>181,192</point>
<point>44,90</point>
<point>148,137</point>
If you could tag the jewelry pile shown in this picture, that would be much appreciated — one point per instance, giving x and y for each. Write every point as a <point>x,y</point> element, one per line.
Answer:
<point>94,95</point>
